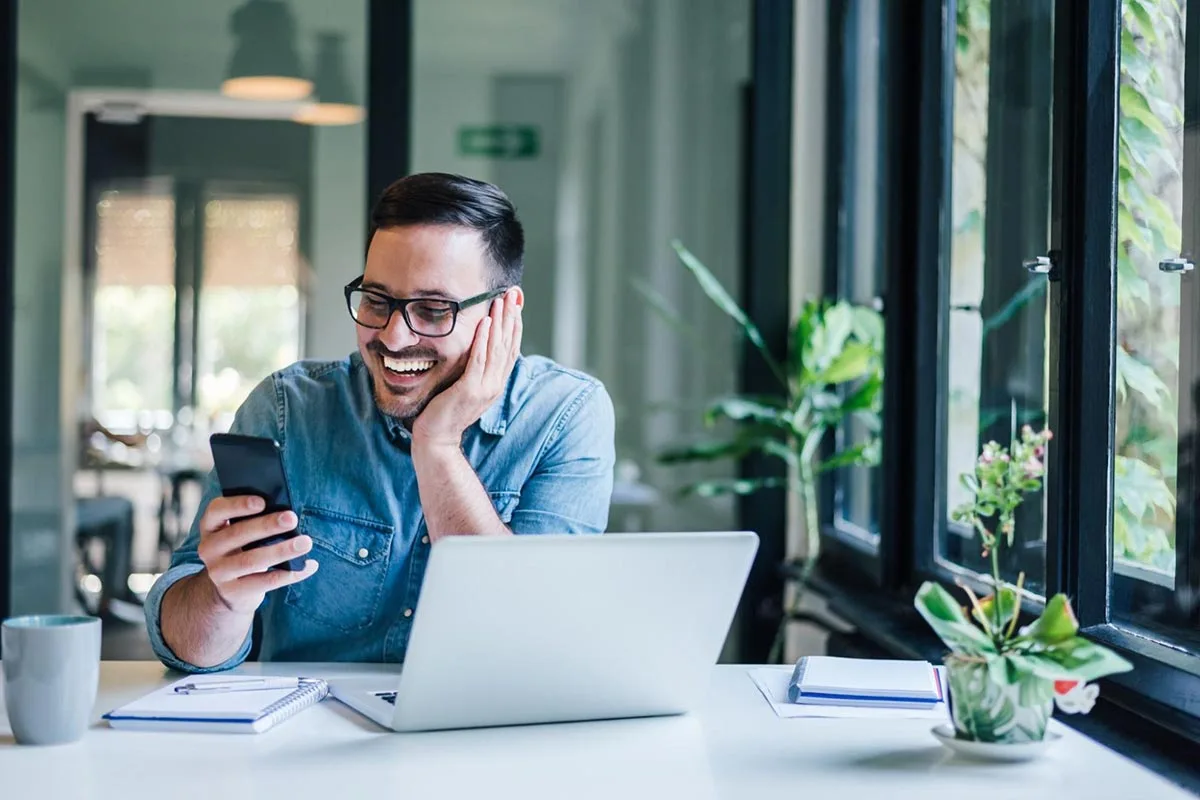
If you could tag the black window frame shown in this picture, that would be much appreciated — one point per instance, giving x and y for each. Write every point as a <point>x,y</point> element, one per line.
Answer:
<point>1161,697</point>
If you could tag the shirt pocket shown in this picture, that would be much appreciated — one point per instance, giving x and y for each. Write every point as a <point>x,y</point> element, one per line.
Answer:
<point>353,554</point>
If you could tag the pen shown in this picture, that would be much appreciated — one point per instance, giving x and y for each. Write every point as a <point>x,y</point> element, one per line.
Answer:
<point>248,685</point>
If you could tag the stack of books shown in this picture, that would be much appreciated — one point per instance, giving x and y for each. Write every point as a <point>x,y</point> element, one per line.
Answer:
<point>865,683</point>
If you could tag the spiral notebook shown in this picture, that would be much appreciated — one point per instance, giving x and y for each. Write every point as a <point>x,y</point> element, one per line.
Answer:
<point>214,710</point>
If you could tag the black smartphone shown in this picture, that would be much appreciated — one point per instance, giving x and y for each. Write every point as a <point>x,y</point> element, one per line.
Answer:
<point>253,465</point>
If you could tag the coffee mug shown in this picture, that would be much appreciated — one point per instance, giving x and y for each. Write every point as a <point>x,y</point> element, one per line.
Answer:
<point>51,675</point>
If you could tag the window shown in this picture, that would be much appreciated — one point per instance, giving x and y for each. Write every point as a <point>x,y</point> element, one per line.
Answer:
<point>857,236</point>
<point>996,342</point>
<point>251,254</point>
<point>1154,575</point>
<point>134,313</point>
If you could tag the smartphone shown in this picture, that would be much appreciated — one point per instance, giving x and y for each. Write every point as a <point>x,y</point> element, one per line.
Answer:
<point>253,465</point>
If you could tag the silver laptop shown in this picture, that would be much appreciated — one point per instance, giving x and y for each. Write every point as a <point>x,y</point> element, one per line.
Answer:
<point>532,629</point>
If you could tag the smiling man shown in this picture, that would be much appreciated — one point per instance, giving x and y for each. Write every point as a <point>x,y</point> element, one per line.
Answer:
<point>436,426</point>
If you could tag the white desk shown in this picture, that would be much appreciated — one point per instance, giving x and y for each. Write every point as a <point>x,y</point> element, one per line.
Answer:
<point>734,747</point>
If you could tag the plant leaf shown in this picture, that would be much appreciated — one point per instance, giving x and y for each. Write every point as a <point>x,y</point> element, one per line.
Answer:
<point>1077,659</point>
<point>741,409</point>
<point>945,616</point>
<point>864,454</point>
<point>714,488</point>
<point>850,364</point>
<point>712,287</point>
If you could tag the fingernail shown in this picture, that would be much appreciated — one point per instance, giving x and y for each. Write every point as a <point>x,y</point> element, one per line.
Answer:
<point>287,518</point>
<point>256,504</point>
<point>301,544</point>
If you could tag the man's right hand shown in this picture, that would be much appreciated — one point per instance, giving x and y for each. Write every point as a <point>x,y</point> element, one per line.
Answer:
<point>240,578</point>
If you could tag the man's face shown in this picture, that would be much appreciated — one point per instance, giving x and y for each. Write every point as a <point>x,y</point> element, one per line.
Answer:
<point>433,261</point>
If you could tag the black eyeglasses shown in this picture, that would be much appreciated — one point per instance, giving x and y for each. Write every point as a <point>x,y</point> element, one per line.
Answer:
<point>425,316</point>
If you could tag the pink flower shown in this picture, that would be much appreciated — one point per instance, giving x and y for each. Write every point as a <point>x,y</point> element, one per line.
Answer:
<point>1039,451</point>
<point>1033,468</point>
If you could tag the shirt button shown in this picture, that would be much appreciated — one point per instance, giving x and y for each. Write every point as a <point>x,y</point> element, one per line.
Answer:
<point>363,552</point>
<point>424,540</point>
<point>408,612</point>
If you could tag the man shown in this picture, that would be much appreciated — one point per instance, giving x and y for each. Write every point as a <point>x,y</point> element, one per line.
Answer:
<point>436,426</point>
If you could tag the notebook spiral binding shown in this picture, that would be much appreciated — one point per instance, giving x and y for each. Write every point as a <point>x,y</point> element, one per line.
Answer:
<point>309,694</point>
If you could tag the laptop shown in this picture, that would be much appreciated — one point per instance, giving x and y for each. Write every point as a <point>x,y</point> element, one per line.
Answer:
<point>521,630</point>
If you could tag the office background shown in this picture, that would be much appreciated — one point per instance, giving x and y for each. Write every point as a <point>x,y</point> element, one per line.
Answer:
<point>1012,184</point>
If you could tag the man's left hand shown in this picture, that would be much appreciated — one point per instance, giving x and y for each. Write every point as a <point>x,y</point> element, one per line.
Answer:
<point>493,353</point>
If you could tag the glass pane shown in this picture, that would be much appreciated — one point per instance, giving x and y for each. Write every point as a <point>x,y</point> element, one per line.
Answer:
<point>996,342</point>
<point>1156,369</point>
<point>614,127</point>
<point>133,318</point>
<point>251,252</point>
<point>125,295</point>
<point>861,232</point>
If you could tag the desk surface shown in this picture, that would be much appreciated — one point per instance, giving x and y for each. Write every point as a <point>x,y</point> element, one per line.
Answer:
<point>733,747</point>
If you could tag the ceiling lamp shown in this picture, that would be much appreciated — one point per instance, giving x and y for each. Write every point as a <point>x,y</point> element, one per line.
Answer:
<point>334,101</point>
<point>265,65</point>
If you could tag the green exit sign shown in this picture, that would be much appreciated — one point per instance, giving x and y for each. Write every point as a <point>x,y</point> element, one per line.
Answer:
<point>499,141</point>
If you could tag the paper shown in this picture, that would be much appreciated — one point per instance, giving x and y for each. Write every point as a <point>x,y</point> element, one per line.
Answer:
<point>166,703</point>
<point>867,677</point>
<point>773,683</point>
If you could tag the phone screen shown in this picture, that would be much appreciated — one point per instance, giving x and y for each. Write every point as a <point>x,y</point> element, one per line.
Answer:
<point>253,465</point>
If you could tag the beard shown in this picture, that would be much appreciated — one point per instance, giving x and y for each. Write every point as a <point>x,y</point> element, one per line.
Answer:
<point>407,402</point>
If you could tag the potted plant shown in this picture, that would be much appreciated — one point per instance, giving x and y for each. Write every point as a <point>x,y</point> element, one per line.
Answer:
<point>833,371</point>
<point>1004,680</point>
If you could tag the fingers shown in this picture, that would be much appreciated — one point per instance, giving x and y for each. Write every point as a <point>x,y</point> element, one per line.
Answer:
<point>237,535</point>
<point>222,510</point>
<point>479,350</point>
<point>276,579</point>
<point>259,559</point>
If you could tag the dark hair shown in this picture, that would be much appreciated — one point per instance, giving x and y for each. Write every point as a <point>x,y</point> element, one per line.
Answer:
<point>439,198</point>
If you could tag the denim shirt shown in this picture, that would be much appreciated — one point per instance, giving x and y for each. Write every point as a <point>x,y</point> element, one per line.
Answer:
<point>544,451</point>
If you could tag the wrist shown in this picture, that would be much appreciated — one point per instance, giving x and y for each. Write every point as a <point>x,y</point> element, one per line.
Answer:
<point>435,447</point>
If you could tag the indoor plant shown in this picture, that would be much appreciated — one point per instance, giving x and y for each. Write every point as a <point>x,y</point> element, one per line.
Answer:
<point>1005,680</point>
<point>833,371</point>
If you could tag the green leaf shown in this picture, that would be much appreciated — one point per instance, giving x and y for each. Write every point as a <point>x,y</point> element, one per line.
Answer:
<point>1077,659</point>
<point>740,486</point>
<point>662,307</point>
<point>712,287</point>
<point>850,364</point>
<point>1141,378</point>
<point>1139,487</point>
<point>1055,624</point>
<point>741,409</point>
<point>946,618</point>
<point>987,607</point>
<point>864,454</point>
<point>704,451</point>
<point>867,396</point>
<point>1144,22</point>
<point>1030,290</point>
<point>868,327</point>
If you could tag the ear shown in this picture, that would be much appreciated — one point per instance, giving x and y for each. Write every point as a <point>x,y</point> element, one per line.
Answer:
<point>518,296</point>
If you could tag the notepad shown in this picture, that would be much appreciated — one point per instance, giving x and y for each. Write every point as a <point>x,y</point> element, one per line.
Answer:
<point>218,712</point>
<point>829,680</point>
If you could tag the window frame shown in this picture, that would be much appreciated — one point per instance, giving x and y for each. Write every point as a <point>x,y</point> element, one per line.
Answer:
<point>1165,684</point>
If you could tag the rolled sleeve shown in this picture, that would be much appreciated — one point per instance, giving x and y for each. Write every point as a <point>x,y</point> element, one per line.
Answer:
<point>571,487</point>
<point>256,417</point>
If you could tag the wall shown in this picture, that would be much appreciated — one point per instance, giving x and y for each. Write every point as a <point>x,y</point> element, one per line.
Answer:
<point>40,515</point>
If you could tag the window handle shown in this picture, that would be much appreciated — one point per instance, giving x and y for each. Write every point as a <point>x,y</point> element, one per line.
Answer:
<point>1039,265</point>
<point>1179,264</point>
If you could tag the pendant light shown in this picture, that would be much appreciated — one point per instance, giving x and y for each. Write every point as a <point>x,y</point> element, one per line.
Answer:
<point>334,102</point>
<point>265,65</point>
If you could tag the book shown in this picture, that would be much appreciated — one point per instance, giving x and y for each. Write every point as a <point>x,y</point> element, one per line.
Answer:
<point>219,704</point>
<point>864,682</point>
